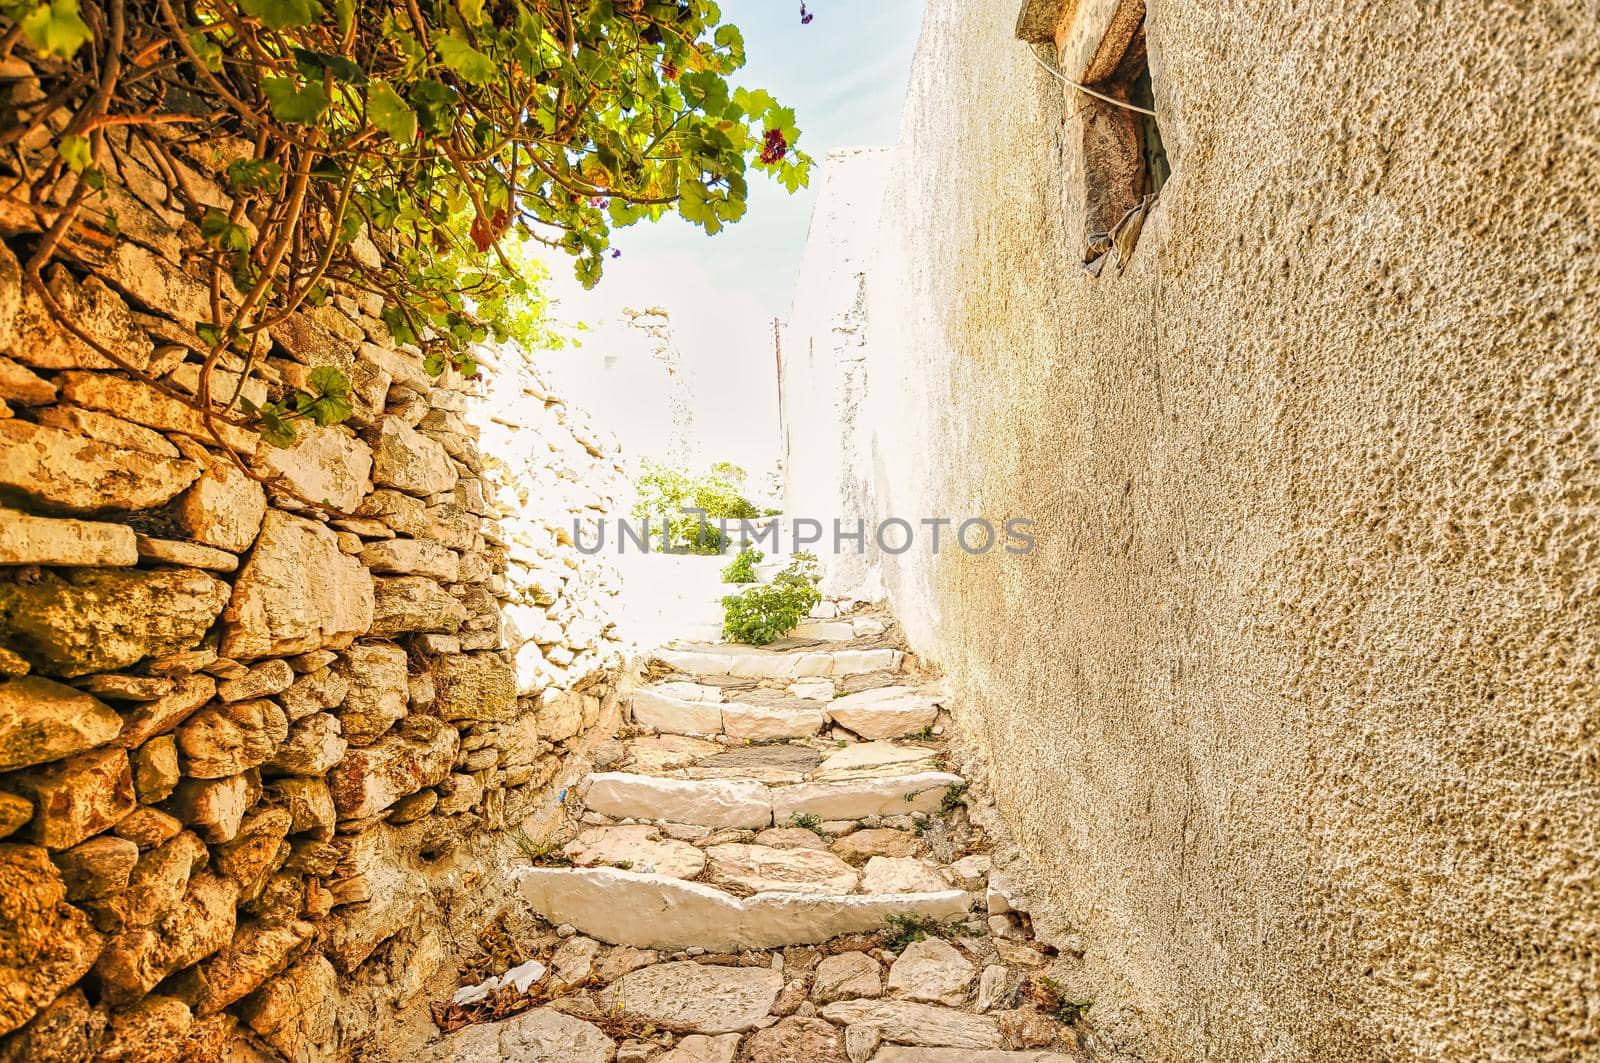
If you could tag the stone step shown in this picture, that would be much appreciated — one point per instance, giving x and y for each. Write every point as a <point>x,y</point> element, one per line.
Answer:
<point>755,663</point>
<point>733,803</point>
<point>660,912</point>
<point>671,715</point>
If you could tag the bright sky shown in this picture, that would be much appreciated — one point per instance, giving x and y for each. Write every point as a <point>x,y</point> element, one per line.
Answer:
<point>845,75</point>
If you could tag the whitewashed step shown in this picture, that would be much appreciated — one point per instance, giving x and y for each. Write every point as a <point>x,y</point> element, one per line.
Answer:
<point>738,803</point>
<point>706,803</point>
<point>839,630</point>
<point>906,1054</point>
<point>660,912</point>
<point>658,711</point>
<point>886,712</point>
<point>662,712</point>
<point>754,663</point>
<point>893,795</point>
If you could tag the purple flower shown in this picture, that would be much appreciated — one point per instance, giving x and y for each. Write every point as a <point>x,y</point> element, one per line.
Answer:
<point>616,252</point>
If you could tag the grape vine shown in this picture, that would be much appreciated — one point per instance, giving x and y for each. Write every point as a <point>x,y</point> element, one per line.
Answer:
<point>441,132</point>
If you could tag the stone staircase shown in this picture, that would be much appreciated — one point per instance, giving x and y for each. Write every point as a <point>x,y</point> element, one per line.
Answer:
<point>772,862</point>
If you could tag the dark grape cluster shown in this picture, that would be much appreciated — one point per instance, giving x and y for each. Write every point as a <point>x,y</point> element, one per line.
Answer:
<point>773,147</point>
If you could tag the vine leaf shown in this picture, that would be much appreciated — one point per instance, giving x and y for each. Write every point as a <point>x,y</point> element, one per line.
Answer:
<point>55,28</point>
<point>295,103</point>
<point>281,14</point>
<point>465,60</point>
<point>74,151</point>
<point>435,104</point>
<point>390,113</point>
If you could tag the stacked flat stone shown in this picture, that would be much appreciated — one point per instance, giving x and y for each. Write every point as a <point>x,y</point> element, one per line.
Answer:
<point>246,742</point>
<point>726,896</point>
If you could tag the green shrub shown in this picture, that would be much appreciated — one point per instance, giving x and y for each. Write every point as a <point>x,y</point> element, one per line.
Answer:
<point>665,492</point>
<point>769,611</point>
<point>742,569</point>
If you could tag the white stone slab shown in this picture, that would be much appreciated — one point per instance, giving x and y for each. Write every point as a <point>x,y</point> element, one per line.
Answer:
<point>859,798</point>
<point>887,712</point>
<point>709,803</point>
<point>661,712</point>
<point>762,722</point>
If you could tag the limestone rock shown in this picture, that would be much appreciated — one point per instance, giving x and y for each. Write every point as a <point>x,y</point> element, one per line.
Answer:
<point>1026,1028</point>
<point>847,976</point>
<point>407,459</point>
<point>79,797</point>
<point>191,555</point>
<point>46,944</point>
<point>215,807</point>
<point>542,1034</point>
<point>230,738</point>
<point>700,997</point>
<point>261,681</point>
<point>137,960</point>
<point>97,867</point>
<point>862,845</point>
<point>474,686</point>
<point>107,429</point>
<point>376,673</point>
<point>639,847</point>
<point>560,714</point>
<point>405,604</point>
<point>295,1011</point>
<point>166,712</point>
<point>157,886</point>
<point>309,803</point>
<point>709,803</point>
<point>932,971</point>
<point>315,744</point>
<point>155,769</point>
<point>66,1029</point>
<point>41,721</point>
<point>40,341</point>
<point>758,723</point>
<point>663,753</point>
<point>885,712</point>
<point>909,1023</point>
<point>371,779</point>
<point>655,911</point>
<point>15,813</point>
<point>150,1031</point>
<point>796,1040</point>
<point>412,557</point>
<point>127,687</point>
<point>61,472</point>
<point>901,874</point>
<point>256,953</point>
<point>298,592</point>
<point>223,508</point>
<point>27,540</point>
<point>893,795</point>
<point>865,756</point>
<point>21,386</point>
<point>143,404</point>
<point>698,1048</point>
<point>147,827</point>
<point>758,869</point>
<point>791,838</point>
<point>314,691</point>
<point>662,712</point>
<point>80,621</point>
<point>329,466</point>
<point>256,851</point>
<point>902,1054</point>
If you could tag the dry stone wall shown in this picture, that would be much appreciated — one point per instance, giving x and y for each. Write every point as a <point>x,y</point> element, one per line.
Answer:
<point>260,761</point>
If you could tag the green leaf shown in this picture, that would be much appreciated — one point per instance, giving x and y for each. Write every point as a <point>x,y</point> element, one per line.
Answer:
<point>281,14</point>
<point>75,152</point>
<point>433,363</point>
<point>293,102</point>
<point>217,230</point>
<point>54,28</point>
<point>325,380</point>
<point>470,64</point>
<point>387,111</point>
<point>341,68</point>
<point>435,104</point>
<point>255,175</point>
<point>274,427</point>
<point>209,51</point>
<point>471,11</point>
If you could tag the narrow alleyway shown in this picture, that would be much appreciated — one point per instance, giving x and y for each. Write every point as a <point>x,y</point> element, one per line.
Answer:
<point>774,861</point>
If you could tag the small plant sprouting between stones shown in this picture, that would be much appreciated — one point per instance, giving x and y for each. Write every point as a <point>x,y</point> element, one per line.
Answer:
<point>1053,999</point>
<point>742,569</point>
<point>954,797</point>
<point>541,854</point>
<point>809,821</point>
<point>903,930</point>
<point>767,612</point>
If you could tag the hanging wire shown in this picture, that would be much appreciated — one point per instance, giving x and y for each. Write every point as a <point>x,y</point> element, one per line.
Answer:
<point>1125,105</point>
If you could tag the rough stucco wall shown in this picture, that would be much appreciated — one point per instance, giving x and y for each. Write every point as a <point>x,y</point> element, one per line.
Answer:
<point>1293,703</point>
